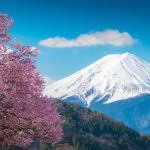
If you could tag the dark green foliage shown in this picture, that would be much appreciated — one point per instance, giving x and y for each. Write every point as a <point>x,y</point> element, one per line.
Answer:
<point>88,130</point>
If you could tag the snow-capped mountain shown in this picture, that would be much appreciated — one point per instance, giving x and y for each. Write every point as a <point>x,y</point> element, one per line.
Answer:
<point>113,78</point>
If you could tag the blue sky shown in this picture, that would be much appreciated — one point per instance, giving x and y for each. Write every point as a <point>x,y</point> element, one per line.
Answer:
<point>38,20</point>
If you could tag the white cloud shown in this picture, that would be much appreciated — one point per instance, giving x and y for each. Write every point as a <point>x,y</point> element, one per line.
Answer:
<point>107,37</point>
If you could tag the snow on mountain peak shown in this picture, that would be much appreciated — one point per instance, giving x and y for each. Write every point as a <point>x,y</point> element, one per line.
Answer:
<point>112,78</point>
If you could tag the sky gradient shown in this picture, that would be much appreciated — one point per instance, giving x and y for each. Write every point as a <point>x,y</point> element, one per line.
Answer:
<point>37,20</point>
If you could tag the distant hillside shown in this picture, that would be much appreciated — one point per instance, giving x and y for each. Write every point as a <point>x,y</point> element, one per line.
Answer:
<point>88,130</point>
<point>134,112</point>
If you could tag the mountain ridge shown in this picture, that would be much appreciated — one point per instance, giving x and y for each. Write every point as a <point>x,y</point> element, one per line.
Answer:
<point>111,78</point>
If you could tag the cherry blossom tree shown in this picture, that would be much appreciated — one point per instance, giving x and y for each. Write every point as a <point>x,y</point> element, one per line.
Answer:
<point>24,112</point>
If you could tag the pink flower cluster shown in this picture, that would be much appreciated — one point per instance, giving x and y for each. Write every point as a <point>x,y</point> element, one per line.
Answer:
<point>24,112</point>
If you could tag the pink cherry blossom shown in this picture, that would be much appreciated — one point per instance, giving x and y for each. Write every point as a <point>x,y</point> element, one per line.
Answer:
<point>24,112</point>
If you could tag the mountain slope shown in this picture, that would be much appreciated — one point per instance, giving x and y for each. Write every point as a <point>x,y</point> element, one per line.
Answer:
<point>112,78</point>
<point>134,112</point>
<point>117,85</point>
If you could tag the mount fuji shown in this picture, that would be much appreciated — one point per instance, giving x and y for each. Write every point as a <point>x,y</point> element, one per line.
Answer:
<point>117,84</point>
<point>112,78</point>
